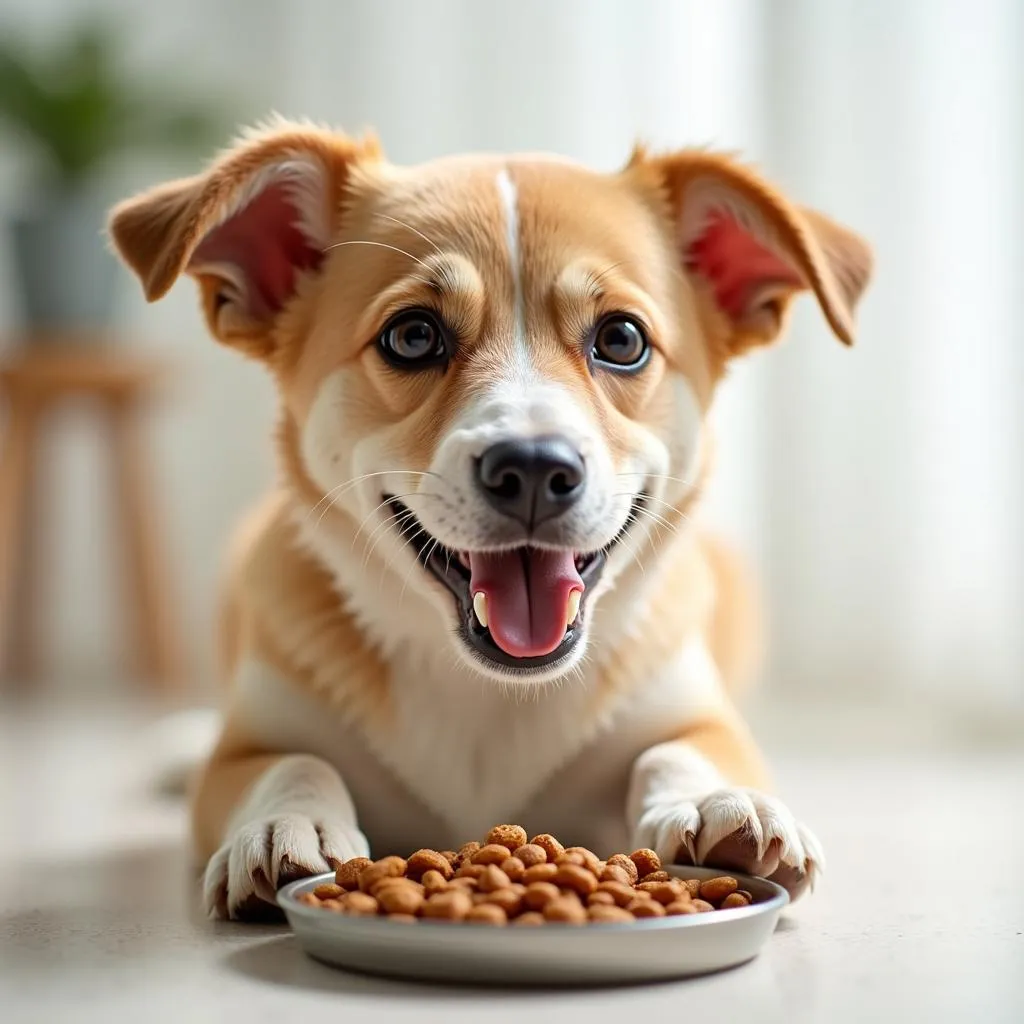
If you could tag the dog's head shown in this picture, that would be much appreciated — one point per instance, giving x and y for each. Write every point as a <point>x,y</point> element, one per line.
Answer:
<point>494,370</point>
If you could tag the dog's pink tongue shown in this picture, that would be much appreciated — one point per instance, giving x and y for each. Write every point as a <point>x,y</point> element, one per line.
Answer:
<point>527,596</point>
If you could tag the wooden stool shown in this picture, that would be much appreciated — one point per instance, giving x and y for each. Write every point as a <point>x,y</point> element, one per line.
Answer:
<point>39,376</point>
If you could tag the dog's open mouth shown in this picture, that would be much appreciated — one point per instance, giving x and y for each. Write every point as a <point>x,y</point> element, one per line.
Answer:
<point>523,607</point>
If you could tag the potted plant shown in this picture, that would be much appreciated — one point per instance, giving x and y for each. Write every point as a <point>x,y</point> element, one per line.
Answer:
<point>76,110</point>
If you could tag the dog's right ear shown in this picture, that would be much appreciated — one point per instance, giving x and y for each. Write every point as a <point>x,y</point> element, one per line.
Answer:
<point>249,230</point>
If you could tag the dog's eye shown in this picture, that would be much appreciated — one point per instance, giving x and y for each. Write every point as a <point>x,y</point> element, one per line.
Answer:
<point>413,339</point>
<point>620,343</point>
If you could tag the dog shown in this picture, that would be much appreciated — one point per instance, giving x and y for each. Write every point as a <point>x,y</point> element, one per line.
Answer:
<point>478,593</point>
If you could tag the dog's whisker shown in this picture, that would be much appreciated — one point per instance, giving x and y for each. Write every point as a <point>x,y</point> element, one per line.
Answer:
<point>426,558</point>
<point>394,497</point>
<point>335,491</point>
<point>659,519</point>
<point>398,519</point>
<point>382,245</point>
<point>688,482</point>
<point>409,227</point>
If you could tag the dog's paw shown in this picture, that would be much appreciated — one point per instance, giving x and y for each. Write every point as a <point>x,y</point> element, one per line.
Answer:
<point>738,829</point>
<point>243,876</point>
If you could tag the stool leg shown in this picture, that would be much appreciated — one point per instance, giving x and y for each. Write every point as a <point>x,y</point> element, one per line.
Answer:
<point>28,599</point>
<point>15,484</point>
<point>147,576</point>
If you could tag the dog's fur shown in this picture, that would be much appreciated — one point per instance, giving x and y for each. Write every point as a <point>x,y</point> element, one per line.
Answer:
<point>357,719</point>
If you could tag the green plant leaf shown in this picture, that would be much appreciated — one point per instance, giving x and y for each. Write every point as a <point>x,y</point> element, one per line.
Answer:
<point>74,102</point>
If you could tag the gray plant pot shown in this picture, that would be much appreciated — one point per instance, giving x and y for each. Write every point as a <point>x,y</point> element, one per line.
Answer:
<point>65,277</point>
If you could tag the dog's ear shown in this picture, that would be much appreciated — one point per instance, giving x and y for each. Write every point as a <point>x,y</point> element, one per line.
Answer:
<point>248,229</point>
<point>750,250</point>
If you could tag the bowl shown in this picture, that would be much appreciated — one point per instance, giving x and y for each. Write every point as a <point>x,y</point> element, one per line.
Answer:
<point>653,949</point>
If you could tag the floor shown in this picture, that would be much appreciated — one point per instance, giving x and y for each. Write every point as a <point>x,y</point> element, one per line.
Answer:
<point>920,916</point>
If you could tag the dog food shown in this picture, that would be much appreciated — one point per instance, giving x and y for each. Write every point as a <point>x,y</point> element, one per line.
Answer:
<point>507,879</point>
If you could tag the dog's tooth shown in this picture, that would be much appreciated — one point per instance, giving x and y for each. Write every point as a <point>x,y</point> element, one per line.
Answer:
<point>572,608</point>
<point>480,607</point>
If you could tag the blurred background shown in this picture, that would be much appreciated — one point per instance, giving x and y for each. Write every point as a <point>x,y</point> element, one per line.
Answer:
<point>879,491</point>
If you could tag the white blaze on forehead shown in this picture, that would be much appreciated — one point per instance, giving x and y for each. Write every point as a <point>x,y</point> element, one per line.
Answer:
<point>510,205</point>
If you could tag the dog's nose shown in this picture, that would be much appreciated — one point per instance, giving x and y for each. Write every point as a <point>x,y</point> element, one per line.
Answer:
<point>532,479</point>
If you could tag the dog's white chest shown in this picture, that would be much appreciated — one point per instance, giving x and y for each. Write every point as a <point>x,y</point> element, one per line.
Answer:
<point>475,752</point>
<point>469,752</point>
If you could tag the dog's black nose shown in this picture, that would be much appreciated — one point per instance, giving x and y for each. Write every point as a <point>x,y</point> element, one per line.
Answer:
<point>532,479</point>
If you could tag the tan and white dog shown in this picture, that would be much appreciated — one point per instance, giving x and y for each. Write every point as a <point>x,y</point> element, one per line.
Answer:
<point>477,594</point>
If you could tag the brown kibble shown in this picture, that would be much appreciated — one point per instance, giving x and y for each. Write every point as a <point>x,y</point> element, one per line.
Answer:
<point>328,891</point>
<point>539,895</point>
<point>347,875</point>
<point>308,899</point>
<point>508,899</point>
<point>540,873</point>
<point>668,892</point>
<point>493,878</point>
<point>390,883</point>
<point>622,894</point>
<point>531,854</point>
<point>510,881</point>
<point>591,861</point>
<point>509,836</point>
<point>646,861</point>
<point>493,853</point>
<point>575,877</point>
<point>648,887</point>
<point>466,852</point>
<point>620,860</point>
<point>361,904</point>
<point>615,873</point>
<point>530,919</point>
<point>433,881</point>
<point>734,899</point>
<point>400,880</point>
<point>714,890</point>
<point>389,867</point>
<point>692,886</point>
<point>514,868</point>
<point>657,876</point>
<point>423,861</point>
<point>487,913</point>
<point>575,858</point>
<point>681,907</point>
<point>452,905</point>
<point>400,899</point>
<point>565,910</point>
<point>601,914</point>
<point>549,844</point>
<point>646,908</point>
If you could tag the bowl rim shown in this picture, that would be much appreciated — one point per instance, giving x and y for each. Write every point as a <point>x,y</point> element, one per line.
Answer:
<point>776,902</point>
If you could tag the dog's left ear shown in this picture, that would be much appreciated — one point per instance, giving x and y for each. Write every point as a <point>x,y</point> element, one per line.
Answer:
<point>249,229</point>
<point>751,250</point>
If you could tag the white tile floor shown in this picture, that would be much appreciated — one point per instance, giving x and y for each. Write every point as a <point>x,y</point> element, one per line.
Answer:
<point>920,917</point>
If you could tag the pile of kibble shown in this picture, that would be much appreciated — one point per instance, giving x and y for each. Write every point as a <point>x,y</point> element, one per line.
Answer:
<point>509,880</point>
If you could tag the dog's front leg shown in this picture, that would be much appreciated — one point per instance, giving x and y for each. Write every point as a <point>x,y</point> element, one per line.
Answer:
<point>700,800</point>
<point>264,820</point>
